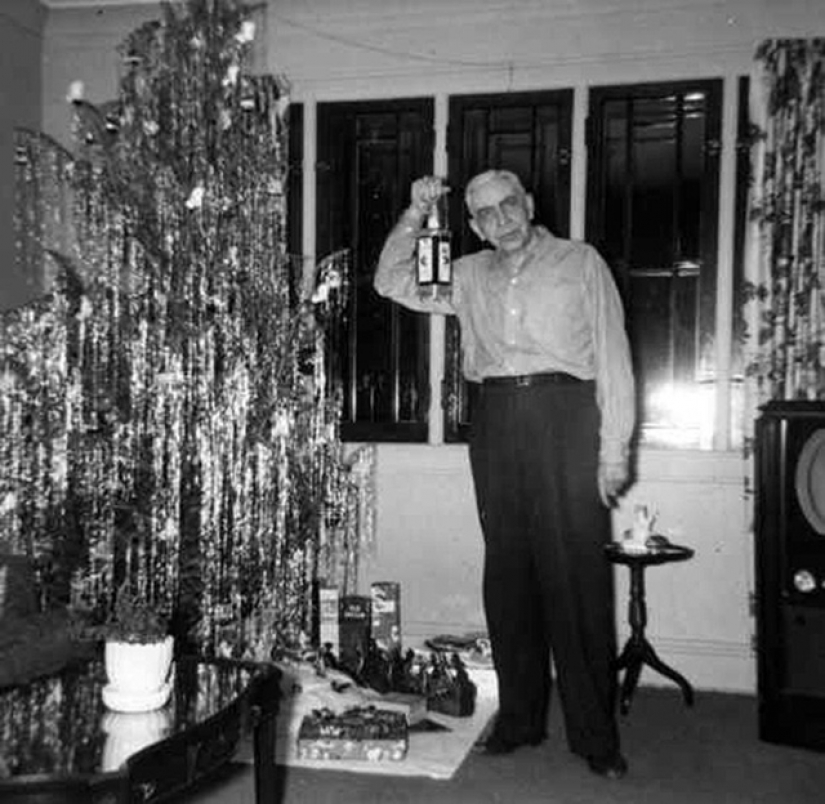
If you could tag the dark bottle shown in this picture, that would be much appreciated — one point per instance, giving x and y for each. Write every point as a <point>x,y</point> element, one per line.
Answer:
<point>433,254</point>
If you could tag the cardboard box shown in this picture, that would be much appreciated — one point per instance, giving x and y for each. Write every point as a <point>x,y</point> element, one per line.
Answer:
<point>328,619</point>
<point>354,628</point>
<point>386,614</point>
<point>362,733</point>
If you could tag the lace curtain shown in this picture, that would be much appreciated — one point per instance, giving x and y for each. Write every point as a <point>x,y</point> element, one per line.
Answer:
<point>785,268</point>
<point>784,346</point>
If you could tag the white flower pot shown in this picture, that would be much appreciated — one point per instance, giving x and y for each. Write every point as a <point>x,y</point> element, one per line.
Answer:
<point>138,675</point>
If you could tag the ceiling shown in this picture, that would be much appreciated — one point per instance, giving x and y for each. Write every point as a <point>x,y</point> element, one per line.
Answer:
<point>90,3</point>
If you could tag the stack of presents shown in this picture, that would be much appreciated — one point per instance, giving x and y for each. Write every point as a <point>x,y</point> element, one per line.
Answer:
<point>360,639</point>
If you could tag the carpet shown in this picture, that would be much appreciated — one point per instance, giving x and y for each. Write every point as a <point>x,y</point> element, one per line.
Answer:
<point>436,751</point>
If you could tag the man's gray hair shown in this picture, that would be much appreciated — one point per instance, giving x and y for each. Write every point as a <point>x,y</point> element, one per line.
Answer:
<point>491,175</point>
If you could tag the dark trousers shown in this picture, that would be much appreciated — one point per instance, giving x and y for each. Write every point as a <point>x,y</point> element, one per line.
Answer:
<point>547,586</point>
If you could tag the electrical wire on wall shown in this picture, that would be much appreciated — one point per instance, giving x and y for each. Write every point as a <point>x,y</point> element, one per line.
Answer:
<point>388,51</point>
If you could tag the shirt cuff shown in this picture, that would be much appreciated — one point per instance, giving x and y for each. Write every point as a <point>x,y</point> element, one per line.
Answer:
<point>613,451</point>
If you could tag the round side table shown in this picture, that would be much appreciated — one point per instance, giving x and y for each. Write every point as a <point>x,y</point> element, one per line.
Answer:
<point>637,650</point>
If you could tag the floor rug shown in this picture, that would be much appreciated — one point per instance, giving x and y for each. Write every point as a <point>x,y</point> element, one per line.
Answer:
<point>436,753</point>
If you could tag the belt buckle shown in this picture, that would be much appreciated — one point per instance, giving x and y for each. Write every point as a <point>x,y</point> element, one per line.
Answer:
<point>523,381</point>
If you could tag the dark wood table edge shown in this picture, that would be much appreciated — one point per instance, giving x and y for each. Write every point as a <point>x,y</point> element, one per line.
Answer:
<point>259,703</point>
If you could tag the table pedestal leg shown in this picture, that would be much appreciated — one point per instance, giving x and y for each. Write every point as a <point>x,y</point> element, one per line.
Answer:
<point>269,783</point>
<point>266,780</point>
<point>638,651</point>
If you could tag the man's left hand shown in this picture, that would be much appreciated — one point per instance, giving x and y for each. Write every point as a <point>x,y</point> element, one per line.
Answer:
<point>613,478</point>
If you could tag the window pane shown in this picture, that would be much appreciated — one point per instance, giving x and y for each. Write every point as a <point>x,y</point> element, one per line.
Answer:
<point>692,155</point>
<point>368,155</point>
<point>617,169</point>
<point>528,133</point>
<point>654,181</point>
<point>652,209</point>
<point>372,359</point>
<point>413,396</point>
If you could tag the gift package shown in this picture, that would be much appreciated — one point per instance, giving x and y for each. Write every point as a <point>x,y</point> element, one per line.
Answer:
<point>328,619</point>
<point>350,627</point>
<point>449,688</point>
<point>370,652</point>
<point>385,601</point>
<point>354,622</point>
<point>361,733</point>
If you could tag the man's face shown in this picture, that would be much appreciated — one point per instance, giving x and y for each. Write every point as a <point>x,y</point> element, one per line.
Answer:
<point>501,214</point>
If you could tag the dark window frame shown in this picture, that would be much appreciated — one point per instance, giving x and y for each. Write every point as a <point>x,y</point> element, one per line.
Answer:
<point>455,431</point>
<point>702,339</point>
<point>295,199</point>
<point>340,212</point>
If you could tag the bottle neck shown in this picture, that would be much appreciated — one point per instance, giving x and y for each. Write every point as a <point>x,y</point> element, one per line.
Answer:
<point>437,216</point>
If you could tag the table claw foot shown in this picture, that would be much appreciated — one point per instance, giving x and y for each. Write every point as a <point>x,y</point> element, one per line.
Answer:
<point>660,667</point>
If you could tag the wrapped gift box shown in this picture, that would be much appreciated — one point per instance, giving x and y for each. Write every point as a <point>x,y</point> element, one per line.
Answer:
<point>364,733</point>
<point>385,598</point>
<point>354,632</point>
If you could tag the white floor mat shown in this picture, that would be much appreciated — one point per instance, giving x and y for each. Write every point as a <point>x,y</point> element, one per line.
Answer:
<point>435,754</point>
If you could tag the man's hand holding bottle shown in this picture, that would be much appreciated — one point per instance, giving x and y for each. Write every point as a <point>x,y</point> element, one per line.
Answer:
<point>425,192</point>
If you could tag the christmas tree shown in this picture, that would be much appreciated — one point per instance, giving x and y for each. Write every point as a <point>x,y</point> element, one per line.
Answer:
<point>167,416</point>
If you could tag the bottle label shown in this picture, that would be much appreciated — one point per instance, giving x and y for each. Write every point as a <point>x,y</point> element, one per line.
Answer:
<point>425,264</point>
<point>444,273</point>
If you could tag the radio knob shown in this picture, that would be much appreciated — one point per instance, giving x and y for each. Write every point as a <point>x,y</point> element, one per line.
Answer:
<point>804,581</point>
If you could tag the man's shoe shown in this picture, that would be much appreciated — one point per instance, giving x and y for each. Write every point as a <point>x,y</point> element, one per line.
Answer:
<point>497,744</point>
<point>613,766</point>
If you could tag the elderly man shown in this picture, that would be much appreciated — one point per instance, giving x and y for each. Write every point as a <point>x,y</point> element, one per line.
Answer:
<point>542,332</point>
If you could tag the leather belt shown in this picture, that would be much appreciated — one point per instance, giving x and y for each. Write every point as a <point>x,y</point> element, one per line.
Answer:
<point>526,380</point>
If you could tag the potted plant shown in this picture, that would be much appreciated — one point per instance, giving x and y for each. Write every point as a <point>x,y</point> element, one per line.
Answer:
<point>137,653</point>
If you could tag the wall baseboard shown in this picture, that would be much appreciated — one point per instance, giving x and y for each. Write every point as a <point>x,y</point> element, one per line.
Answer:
<point>707,665</point>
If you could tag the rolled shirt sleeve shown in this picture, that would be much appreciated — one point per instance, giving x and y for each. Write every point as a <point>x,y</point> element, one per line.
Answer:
<point>395,276</point>
<point>562,312</point>
<point>615,387</point>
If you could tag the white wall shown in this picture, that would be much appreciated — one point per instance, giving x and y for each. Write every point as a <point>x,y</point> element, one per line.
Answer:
<point>428,537</point>
<point>21,23</point>
<point>429,540</point>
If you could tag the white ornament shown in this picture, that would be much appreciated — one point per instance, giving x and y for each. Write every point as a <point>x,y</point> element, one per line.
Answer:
<point>76,90</point>
<point>195,200</point>
<point>247,32</point>
<point>232,73</point>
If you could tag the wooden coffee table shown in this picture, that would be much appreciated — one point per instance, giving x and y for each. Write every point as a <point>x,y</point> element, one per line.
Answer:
<point>59,742</point>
